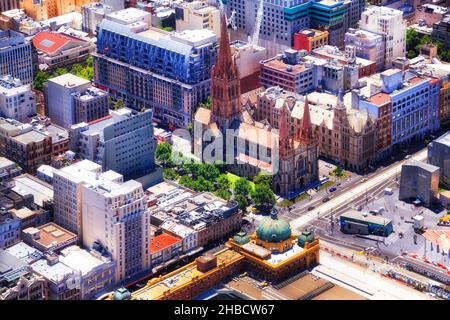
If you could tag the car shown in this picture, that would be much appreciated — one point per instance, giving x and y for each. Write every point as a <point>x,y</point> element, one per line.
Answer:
<point>407,156</point>
<point>363,180</point>
<point>311,208</point>
<point>332,189</point>
<point>325,199</point>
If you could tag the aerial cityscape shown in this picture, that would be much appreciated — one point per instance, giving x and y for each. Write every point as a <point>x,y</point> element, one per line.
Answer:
<point>224,150</point>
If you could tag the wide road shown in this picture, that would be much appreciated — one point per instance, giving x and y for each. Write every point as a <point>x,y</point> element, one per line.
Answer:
<point>354,193</point>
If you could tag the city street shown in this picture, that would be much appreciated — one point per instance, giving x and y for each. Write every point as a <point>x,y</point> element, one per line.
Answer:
<point>350,195</point>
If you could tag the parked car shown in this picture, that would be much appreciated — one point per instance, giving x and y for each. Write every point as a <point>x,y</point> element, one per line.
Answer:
<point>325,199</point>
<point>332,189</point>
<point>311,208</point>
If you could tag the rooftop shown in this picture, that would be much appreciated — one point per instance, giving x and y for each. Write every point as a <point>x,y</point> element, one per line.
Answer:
<point>80,259</point>
<point>54,273</point>
<point>444,139</point>
<point>280,65</point>
<point>379,99</point>
<point>69,80</point>
<point>353,214</point>
<point>172,202</point>
<point>51,235</point>
<point>425,166</point>
<point>24,252</point>
<point>51,42</point>
<point>162,242</point>
<point>182,276</point>
<point>28,184</point>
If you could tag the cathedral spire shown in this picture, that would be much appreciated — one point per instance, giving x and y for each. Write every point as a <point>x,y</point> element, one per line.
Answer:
<point>283,132</point>
<point>225,61</point>
<point>225,91</point>
<point>306,133</point>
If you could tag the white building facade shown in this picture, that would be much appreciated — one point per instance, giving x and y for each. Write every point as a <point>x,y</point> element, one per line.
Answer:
<point>388,22</point>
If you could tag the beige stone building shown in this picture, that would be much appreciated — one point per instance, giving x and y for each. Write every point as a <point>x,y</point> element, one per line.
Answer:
<point>343,133</point>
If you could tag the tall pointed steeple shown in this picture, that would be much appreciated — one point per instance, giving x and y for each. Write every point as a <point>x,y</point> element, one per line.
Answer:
<point>225,61</point>
<point>283,132</point>
<point>226,91</point>
<point>306,131</point>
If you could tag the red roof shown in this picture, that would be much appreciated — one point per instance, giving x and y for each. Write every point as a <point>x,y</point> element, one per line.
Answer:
<point>379,99</point>
<point>162,241</point>
<point>50,42</point>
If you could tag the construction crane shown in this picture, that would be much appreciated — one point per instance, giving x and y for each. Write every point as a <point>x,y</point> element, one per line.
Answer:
<point>220,4</point>
<point>253,41</point>
<point>231,22</point>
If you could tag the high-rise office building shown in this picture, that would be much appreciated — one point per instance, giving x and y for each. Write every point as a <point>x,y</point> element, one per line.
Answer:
<point>388,22</point>
<point>71,100</point>
<point>104,210</point>
<point>15,56</point>
<point>122,141</point>
<point>151,68</point>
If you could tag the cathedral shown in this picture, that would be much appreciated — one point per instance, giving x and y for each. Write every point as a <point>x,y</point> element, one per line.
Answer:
<point>249,140</point>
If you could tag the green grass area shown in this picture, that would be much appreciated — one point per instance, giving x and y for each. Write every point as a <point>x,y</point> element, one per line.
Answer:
<point>233,178</point>
<point>442,188</point>
<point>326,185</point>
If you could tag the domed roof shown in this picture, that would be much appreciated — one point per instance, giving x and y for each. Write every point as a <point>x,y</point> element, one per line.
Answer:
<point>272,229</point>
<point>305,237</point>
<point>121,294</point>
<point>241,238</point>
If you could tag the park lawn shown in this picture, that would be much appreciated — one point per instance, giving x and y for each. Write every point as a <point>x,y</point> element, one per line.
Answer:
<point>233,178</point>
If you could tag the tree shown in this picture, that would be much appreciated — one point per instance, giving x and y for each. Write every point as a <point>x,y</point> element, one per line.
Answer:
<point>241,201</point>
<point>224,194</point>
<point>223,183</point>
<point>119,104</point>
<point>262,178</point>
<point>206,103</point>
<point>170,174</point>
<point>263,196</point>
<point>168,29</point>
<point>40,79</point>
<point>163,154</point>
<point>242,187</point>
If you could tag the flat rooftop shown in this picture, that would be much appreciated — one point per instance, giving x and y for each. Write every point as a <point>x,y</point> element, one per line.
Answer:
<point>279,65</point>
<point>80,259</point>
<point>54,273</point>
<point>30,137</point>
<point>25,252</point>
<point>162,242</point>
<point>129,15</point>
<point>69,80</point>
<point>28,184</point>
<point>51,235</point>
<point>444,139</point>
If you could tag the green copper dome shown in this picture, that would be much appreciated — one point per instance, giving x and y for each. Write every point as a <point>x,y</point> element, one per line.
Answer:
<point>241,238</point>
<point>272,229</point>
<point>121,294</point>
<point>305,237</point>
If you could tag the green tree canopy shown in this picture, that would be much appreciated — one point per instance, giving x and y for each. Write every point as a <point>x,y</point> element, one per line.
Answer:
<point>223,183</point>
<point>163,154</point>
<point>263,196</point>
<point>241,201</point>
<point>170,174</point>
<point>262,178</point>
<point>224,194</point>
<point>242,187</point>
